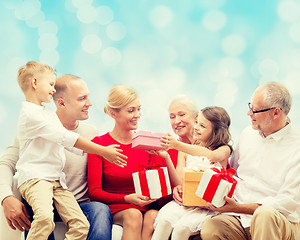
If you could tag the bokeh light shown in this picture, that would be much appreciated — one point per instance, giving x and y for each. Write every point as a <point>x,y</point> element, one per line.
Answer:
<point>217,52</point>
<point>104,15</point>
<point>161,16</point>
<point>214,20</point>
<point>91,43</point>
<point>116,31</point>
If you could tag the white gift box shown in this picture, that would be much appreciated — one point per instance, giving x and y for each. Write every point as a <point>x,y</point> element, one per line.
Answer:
<point>153,183</point>
<point>213,186</point>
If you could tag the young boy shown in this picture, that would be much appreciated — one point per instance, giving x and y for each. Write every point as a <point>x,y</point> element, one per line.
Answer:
<point>42,139</point>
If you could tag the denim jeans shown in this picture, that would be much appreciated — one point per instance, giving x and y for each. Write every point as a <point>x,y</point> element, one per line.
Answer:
<point>100,220</point>
<point>99,216</point>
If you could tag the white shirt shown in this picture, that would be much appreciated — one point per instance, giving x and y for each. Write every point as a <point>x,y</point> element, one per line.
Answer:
<point>76,165</point>
<point>42,139</point>
<point>269,169</point>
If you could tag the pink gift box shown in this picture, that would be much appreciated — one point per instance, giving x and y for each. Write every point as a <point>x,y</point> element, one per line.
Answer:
<point>153,183</point>
<point>147,140</point>
<point>215,184</point>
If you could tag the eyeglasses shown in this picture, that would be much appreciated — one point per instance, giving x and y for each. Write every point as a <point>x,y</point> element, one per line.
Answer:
<point>259,111</point>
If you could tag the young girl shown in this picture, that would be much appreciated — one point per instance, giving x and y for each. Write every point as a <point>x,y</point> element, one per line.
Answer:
<point>211,139</point>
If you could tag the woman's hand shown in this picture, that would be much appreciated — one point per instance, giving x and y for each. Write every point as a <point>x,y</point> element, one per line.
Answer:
<point>177,194</point>
<point>168,142</point>
<point>138,199</point>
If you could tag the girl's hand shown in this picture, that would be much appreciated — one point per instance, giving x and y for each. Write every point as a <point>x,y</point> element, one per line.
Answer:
<point>168,141</point>
<point>160,153</point>
<point>138,199</point>
<point>177,194</point>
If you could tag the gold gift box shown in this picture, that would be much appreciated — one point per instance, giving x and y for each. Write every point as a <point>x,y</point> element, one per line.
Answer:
<point>191,181</point>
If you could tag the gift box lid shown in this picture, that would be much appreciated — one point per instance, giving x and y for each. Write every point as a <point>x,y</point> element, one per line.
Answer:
<point>192,175</point>
<point>146,134</point>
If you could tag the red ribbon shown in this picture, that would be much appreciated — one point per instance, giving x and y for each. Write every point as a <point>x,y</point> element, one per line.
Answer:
<point>163,182</point>
<point>144,184</point>
<point>215,181</point>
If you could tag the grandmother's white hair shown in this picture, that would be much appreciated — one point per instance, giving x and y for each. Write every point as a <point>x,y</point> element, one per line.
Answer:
<point>187,101</point>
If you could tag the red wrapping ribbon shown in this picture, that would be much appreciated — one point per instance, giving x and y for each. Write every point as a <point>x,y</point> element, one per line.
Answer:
<point>144,184</point>
<point>215,181</point>
<point>163,182</point>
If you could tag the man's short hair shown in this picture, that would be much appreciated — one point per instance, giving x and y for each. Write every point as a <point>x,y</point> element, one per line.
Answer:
<point>276,95</point>
<point>61,85</point>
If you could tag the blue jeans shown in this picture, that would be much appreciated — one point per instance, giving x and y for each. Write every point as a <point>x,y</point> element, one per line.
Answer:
<point>100,220</point>
<point>99,216</point>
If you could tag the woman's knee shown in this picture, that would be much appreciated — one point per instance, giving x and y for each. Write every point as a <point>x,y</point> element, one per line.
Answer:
<point>133,217</point>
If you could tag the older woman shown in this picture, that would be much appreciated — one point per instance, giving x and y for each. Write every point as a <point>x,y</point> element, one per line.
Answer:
<point>113,185</point>
<point>182,112</point>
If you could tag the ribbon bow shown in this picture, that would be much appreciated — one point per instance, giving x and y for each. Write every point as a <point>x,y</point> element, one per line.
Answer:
<point>225,174</point>
<point>155,165</point>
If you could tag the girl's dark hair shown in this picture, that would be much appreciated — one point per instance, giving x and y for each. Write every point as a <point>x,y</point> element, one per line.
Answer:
<point>220,133</point>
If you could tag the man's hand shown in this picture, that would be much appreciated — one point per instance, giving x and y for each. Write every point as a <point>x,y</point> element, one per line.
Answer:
<point>114,155</point>
<point>232,206</point>
<point>16,214</point>
<point>177,194</point>
<point>138,199</point>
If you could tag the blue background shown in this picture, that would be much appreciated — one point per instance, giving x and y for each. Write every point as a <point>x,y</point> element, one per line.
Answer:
<point>216,51</point>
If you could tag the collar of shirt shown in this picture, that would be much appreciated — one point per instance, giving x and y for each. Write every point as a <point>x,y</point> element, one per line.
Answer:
<point>33,105</point>
<point>277,136</point>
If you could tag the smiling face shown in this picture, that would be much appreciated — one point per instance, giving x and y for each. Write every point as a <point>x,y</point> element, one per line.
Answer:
<point>77,101</point>
<point>128,116</point>
<point>182,120</point>
<point>202,130</point>
<point>44,87</point>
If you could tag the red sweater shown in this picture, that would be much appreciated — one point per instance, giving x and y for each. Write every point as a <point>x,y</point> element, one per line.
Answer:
<point>109,183</point>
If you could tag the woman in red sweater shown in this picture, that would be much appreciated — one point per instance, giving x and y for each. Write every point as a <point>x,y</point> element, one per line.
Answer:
<point>113,185</point>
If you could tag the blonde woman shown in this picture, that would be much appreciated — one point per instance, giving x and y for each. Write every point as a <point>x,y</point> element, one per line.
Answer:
<point>114,185</point>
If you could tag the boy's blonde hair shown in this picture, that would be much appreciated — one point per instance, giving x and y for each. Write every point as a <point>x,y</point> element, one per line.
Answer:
<point>118,97</point>
<point>29,71</point>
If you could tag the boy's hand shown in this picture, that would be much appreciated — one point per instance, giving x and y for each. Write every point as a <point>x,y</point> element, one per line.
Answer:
<point>114,155</point>
<point>168,141</point>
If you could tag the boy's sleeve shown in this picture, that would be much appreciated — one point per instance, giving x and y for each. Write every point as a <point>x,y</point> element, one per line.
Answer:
<point>50,129</point>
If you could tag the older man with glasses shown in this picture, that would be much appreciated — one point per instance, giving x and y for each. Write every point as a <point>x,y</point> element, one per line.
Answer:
<point>266,202</point>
